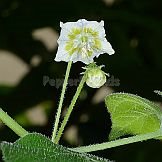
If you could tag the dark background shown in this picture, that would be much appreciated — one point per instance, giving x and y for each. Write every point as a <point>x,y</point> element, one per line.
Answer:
<point>134,29</point>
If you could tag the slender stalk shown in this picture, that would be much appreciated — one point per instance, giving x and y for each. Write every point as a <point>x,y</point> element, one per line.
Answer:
<point>66,118</point>
<point>11,123</point>
<point>61,100</point>
<point>119,142</point>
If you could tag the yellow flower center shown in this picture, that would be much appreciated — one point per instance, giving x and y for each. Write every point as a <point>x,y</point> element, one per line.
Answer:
<point>83,41</point>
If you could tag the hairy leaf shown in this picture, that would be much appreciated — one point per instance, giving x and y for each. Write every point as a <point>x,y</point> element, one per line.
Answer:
<point>132,115</point>
<point>35,147</point>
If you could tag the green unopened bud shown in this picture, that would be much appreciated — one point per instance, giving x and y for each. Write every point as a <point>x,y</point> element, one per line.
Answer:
<point>95,77</point>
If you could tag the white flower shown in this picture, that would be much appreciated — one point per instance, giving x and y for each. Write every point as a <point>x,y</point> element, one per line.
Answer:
<point>95,77</point>
<point>82,41</point>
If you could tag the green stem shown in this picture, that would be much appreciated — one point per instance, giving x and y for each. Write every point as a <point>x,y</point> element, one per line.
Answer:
<point>61,101</point>
<point>6,119</point>
<point>119,142</point>
<point>70,109</point>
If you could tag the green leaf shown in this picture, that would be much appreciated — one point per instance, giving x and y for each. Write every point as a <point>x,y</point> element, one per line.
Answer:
<point>35,147</point>
<point>132,115</point>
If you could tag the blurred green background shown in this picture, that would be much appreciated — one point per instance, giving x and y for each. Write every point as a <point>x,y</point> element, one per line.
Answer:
<point>28,34</point>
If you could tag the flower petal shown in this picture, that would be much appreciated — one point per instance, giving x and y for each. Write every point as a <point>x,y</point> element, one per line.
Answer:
<point>106,46</point>
<point>66,29</point>
<point>98,27</point>
<point>63,55</point>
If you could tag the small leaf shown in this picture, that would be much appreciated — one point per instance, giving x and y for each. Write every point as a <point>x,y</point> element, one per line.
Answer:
<point>132,115</point>
<point>35,147</point>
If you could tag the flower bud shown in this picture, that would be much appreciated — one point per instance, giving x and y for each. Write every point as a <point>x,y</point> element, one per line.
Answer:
<point>95,77</point>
